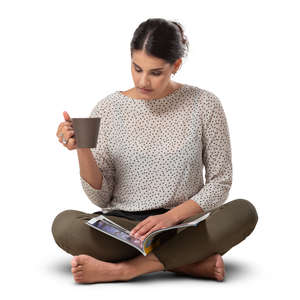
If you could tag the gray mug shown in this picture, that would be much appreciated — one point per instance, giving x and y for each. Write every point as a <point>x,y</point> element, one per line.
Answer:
<point>86,131</point>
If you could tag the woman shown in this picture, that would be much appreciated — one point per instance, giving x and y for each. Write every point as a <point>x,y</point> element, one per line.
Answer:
<point>146,171</point>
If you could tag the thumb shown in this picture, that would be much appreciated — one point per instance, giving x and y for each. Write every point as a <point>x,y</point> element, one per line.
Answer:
<point>66,116</point>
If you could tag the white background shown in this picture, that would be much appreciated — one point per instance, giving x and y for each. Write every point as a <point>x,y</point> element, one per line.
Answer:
<point>67,55</point>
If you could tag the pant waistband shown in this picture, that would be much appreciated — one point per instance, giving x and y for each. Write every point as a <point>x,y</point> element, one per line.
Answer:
<point>135,215</point>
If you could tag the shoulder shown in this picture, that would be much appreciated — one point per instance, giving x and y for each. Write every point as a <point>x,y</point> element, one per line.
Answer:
<point>104,105</point>
<point>205,100</point>
<point>204,96</point>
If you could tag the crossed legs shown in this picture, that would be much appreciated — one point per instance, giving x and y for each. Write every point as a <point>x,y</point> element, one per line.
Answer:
<point>100,258</point>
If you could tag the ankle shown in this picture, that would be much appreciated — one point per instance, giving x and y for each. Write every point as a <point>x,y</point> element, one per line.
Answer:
<point>124,270</point>
<point>184,269</point>
<point>140,265</point>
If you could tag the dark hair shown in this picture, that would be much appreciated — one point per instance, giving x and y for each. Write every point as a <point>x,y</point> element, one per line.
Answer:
<point>160,38</point>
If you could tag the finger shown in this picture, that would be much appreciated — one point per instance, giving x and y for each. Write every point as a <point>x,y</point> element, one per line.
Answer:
<point>65,136</point>
<point>145,229</point>
<point>70,133</point>
<point>65,142</point>
<point>64,130</point>
<point>71,143</point>
<point>66,116</point>
<point>147,233</point>
<point>60,127</point>
<point>138,226</point>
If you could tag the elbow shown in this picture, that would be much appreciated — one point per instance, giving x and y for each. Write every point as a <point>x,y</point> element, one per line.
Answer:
<point>99,197</point>
<point>99,202</point>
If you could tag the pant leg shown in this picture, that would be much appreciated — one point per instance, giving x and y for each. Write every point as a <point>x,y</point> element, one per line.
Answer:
<point>225,227</point>
<point>75,237</point>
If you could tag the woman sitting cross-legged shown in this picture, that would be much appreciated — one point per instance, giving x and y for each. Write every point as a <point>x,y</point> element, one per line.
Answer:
<point>146,171</point>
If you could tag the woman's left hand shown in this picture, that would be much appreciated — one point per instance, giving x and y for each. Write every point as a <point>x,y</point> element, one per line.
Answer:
<point>152,223</point>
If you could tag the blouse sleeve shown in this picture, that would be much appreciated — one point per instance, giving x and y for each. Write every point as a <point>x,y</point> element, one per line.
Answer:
<point>216,156</point>
<point>103,196</point>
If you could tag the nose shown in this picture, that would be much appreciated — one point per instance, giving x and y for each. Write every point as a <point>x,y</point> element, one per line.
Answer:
<point>144,81</point>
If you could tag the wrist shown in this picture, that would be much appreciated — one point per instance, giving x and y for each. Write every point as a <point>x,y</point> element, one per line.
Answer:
<point>174,216</point>
<point>83,150</point>
<point>185,210</point>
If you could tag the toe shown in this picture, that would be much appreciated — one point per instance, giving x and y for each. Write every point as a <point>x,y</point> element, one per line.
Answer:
<point>81,259</point>
<point>219,274</point>
<point>77,269</point>
<point>219,261</point>
<point>78,279</point>
<point>219,268</point>
<point>74,261</point>
<point>78,275</point>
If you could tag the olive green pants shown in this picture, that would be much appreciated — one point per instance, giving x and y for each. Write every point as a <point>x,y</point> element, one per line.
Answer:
<point>225,227</point>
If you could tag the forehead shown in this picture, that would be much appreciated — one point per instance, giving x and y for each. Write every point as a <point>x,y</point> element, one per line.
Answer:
<point>146,61</point>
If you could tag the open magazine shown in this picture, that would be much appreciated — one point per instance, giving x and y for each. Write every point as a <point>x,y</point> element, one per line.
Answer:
<point>155,238</point>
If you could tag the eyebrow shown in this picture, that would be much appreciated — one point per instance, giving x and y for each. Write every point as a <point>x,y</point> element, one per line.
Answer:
<point>150,70</point>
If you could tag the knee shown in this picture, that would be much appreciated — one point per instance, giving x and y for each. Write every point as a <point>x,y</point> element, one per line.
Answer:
<point>61,225</point>
<point>233,222</point>
<point>248,211</point>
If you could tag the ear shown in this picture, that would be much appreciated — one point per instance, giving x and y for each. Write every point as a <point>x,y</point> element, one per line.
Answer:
<point>177,64</point>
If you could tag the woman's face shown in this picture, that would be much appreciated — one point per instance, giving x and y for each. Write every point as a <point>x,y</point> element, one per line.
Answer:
<point>151,73</point>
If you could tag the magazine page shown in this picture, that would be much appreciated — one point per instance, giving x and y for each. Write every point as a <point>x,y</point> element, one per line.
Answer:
<point>102,217</point>
<point>156,238</point>
<point>147,245</point>
<point>106,225</point>
<point>109,227</point>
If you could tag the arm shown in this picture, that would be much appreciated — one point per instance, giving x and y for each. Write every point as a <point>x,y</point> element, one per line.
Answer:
<point>184,210</point>
<point>216,156</point>
<point>97,172</point>
<point>89,170</point>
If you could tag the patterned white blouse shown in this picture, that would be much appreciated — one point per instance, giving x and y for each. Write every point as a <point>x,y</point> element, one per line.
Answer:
<point>151,153</point>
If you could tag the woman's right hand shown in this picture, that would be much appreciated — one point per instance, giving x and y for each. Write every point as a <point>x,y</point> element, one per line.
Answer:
<point>66,130</point>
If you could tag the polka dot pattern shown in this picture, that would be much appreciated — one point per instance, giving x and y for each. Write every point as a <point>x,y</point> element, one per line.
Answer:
<point>152,153</point>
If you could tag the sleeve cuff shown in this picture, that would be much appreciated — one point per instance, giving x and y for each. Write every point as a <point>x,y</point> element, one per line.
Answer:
<point>98,197</point>
<point>207,202</point>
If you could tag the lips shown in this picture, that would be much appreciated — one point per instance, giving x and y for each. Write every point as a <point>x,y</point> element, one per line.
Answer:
<point>145,90</point>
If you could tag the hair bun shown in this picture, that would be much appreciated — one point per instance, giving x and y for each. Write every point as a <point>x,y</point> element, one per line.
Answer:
<point>183,37</point>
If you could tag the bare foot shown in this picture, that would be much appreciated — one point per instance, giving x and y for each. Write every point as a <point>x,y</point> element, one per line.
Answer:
<point>87,269</point>
<point>211,267</point>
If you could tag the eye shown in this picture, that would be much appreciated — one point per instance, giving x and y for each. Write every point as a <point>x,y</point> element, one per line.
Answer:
<point>154,73</point>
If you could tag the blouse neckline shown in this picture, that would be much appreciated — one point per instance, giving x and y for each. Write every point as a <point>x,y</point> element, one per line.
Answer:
<point>155,99</point>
